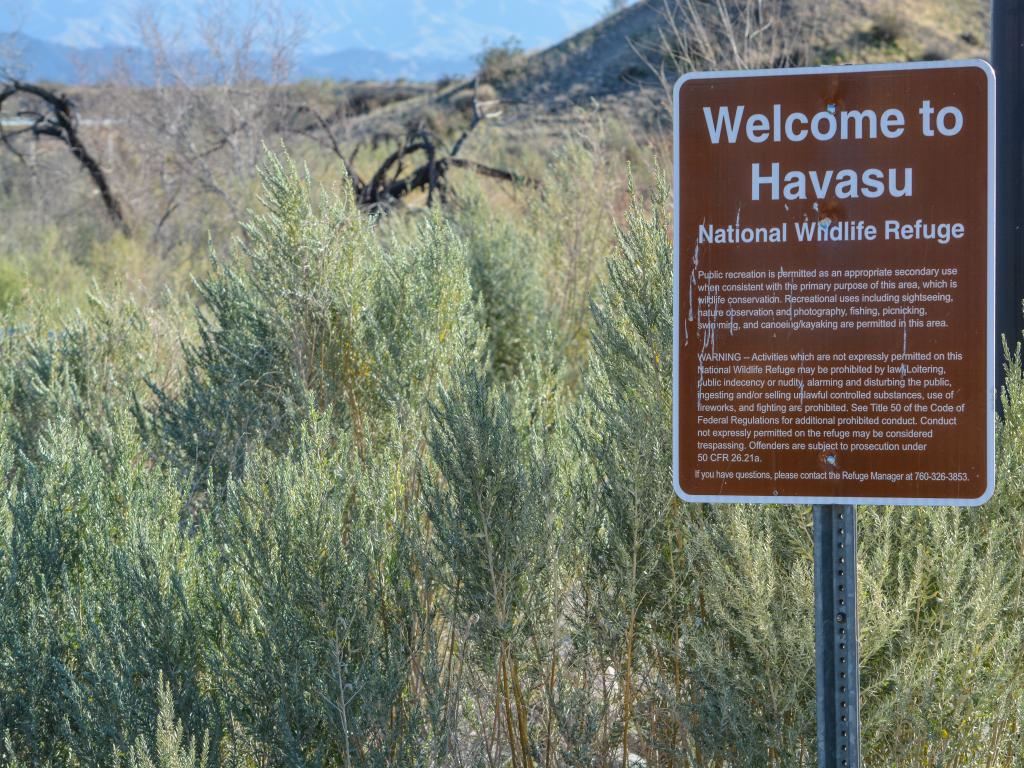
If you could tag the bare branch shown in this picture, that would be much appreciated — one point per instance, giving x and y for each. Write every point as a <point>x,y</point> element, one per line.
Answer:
<point>733,34</point>
<point>491,172</point>
<point>61,122</point>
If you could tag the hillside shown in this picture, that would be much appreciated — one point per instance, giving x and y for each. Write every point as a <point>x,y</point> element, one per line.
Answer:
<point>618,54</point>
<point>623,64</point>
<point>619,71</point>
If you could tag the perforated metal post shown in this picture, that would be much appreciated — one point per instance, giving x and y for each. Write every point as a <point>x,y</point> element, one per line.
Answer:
<point>836,647</point>
<point>1008,60</point>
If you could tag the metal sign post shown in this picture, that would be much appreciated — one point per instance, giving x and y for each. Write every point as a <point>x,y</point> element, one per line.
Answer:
<point>836,646</point>
<point>1008,60</point>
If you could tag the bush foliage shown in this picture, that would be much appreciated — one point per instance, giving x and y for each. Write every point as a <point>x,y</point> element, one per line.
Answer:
<point>403,499</point>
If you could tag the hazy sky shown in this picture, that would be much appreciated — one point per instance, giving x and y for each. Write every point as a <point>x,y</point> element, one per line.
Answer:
<point>450,28</point>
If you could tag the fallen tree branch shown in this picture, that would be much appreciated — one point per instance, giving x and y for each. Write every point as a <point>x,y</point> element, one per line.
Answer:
<point>332,144</point>
<point>390,183</point>
<point>491,172</point>
<point>60,122</point>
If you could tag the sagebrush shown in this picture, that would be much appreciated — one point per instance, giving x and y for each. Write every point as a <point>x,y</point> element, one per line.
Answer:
<point>404,498</point>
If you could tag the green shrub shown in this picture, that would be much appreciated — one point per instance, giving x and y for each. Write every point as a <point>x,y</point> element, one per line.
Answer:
<point>629,517</point>
<point>11,288</point>
<point>96,599</point>
<point>315,307</point>
<point>409,503</point>
<point>317,661</point>
<point>888,27</point>
<point>84,371</point>
<point>572,240</point>
<point>495,524</point>
<point>507,285</point>
<point>170,747</point>
<point>501,62</point>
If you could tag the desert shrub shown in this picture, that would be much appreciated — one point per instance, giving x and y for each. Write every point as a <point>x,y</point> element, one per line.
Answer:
<point>422,324</point>
<point>320,662</point>
<point>82,372</point>
<point>943,601</point>
<point>629,518</point>
<point>12,287</point>
<point>501,62</point>
<point>496,532</point>
<point>888,27</point>
<point>934,681</point>
<point>443,530</point>
<point>935,54</point>
<point>739,34</point>
<point>265,338</point>
<point>37,262</point>
<point>507,284</point>
<point>96,591</point>
<point>170,747</point>
<point>551,243</point>
<point>572,237</point>
<point>314,306</point>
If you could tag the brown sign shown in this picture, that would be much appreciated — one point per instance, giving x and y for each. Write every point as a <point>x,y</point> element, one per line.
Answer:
<point>835,285</point>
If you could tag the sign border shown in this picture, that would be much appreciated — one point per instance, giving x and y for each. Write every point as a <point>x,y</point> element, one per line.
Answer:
<point>985,67</point>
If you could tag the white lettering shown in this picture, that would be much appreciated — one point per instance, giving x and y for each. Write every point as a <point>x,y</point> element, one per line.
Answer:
<point>757,181</point>
<point>732,124</point>
<point>845,184</point>
<point>943,124</point>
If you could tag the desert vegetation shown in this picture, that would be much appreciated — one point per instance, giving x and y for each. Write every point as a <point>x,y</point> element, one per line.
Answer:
<point>287,479</point>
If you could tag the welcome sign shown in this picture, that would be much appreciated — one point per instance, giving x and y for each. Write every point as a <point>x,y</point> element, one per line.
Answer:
<point>835,276</point>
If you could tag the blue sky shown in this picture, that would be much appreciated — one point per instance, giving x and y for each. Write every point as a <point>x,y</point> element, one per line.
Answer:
<point>445,28</point>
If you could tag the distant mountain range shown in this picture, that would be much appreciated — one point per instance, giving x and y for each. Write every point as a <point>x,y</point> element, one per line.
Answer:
<point>36,60</point>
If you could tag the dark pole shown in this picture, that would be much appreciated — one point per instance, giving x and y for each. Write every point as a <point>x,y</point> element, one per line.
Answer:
<point>836,640</point>
<point>1008,62</point>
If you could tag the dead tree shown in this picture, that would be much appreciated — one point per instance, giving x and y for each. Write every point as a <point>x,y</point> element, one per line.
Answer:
<point>396,177</point>
<point>58,119</point>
